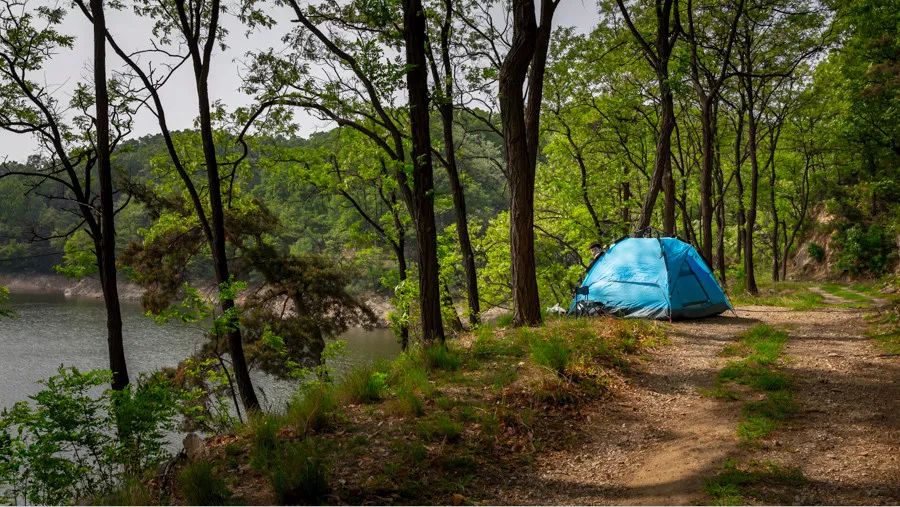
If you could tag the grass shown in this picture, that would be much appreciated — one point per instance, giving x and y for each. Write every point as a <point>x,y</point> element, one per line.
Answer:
<point>795,299</point>
<point>440,427</point>
<point>312,409</point>
<point>856,299</point>
<point>884,328</point>
<point>298,475</point>
<point>553,353</point>
<point>200,485</point>
<point>760,349</point>
<point>738,481</point>
<point>435,415</point>
<point>366,384</point>
<point>442,357</point>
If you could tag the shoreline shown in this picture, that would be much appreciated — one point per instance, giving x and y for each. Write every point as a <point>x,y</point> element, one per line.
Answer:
<point>46,283</point>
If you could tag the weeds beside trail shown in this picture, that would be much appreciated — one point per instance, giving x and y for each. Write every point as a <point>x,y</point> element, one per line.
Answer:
<point>428,426</point>
<point>757,379</point>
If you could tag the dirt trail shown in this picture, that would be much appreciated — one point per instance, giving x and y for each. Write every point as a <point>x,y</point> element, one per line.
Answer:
<point>658,439</point>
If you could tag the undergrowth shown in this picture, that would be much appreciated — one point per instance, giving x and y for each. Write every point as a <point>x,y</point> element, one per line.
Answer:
<point>434,417</point>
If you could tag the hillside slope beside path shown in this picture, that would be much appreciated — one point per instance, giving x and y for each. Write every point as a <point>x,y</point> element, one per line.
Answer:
<point>659,438</point>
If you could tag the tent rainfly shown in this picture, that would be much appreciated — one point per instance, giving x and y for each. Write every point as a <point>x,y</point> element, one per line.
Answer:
<point>655,278</point>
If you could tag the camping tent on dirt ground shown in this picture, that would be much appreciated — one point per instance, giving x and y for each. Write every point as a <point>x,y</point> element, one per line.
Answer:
<point>656,278</point>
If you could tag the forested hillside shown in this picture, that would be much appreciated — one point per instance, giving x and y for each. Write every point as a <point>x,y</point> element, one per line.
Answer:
<point>471,154</point>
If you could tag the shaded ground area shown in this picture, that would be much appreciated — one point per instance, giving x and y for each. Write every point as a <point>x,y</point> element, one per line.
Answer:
<point>658,439</point>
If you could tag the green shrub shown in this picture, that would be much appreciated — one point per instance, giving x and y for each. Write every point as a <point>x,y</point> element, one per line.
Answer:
<point>312,409</point>
<point>816,252</point>
<point>865,250</point>
<point>263,429</point>
<point>298,474</point>
<point>364,385</point>
<point>554,353</point>
<point>201,486</point>
<point>71,444</point>
<point>441,357</point>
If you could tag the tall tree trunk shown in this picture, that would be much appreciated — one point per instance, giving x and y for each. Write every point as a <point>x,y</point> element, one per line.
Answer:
<point>400,253</point>
<point>749,269</point>
<point>423,176</point>
<point>520,133</point>
<point>706,174</point>
<point>667,29</point>
<point>216,206</point>
<point>456,188</point>
<point>107,241</point>
<point>720,208</point>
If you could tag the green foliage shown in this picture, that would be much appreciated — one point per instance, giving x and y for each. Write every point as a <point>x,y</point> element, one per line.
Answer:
<point>201,485</point>
<point>4,298</point>
<point>78,259</point>
<point>71,444</point>
<point>206,393</point>
<point>865,250</point>
<point>816,252</point>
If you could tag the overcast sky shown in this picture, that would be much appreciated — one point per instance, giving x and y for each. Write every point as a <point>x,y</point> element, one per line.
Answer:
<point>72,66</point>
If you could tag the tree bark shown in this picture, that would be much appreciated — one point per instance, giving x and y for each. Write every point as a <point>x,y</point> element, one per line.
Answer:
<point>423,177</point>
<point>520,133</point>
<point>658,55</point>
<point>456,188</point>
<point>216,206</point>
<point>750,224</point>
<point>106,248</point>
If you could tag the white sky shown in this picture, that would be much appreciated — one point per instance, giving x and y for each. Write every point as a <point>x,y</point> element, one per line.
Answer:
<point>178,95</point>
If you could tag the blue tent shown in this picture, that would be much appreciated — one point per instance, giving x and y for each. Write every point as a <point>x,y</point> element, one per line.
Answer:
<point>656,278</point>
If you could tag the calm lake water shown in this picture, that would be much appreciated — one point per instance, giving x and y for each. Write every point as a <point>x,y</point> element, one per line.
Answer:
<point>51,329</point>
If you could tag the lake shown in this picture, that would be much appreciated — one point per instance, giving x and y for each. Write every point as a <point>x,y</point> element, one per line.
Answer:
<point>52,329</point>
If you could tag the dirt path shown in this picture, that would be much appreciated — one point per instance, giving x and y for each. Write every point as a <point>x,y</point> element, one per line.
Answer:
<point>658,439</point>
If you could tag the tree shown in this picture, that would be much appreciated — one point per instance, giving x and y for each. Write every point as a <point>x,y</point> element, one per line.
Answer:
<point>707,83</point>
<point>668,27</point>
<point>196,24</point>
<point>73,151</point>
<point>443,96</point>
<point>527,59</point>
<point>422,204</point>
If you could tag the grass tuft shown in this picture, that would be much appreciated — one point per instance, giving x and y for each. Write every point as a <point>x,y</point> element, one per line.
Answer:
<point>738,481</point>
<point>201,486</point>
<point>440,427</point>
<point>298,474</point>
<point>365,384</point>
<point>313,409</point>
<point>553,353</point>
<point>441,357</point>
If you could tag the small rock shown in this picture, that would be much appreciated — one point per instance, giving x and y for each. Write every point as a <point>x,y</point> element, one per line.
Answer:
<point>458,499</point>
<point>193,446</point>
